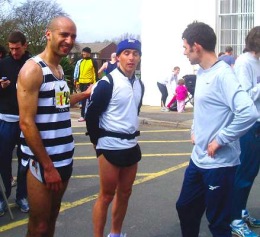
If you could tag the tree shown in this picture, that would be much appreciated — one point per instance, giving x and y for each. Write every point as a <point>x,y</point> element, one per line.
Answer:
<point>125,36</point>
<point>4,1</point>
<point>68,69</point>
<point>32,17</point>
<point>6,27</point>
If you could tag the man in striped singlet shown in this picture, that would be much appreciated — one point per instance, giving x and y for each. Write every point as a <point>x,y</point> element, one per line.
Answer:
<point>47,142</point>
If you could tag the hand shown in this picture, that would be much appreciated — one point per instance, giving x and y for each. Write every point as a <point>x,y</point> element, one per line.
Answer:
<point>76,84</point>
<point>4,83</point>
<point>193,139</point>
<point>87,92</point>
<point>212,148</point>
<point>53,179</point>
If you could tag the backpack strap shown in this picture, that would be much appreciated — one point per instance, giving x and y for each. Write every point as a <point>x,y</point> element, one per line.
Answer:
<point>111,81</point>
<point>142,95</point>
<point>110,78</point>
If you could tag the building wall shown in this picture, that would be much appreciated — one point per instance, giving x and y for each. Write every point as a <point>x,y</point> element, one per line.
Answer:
<point>162,25</point>
<point>105,54</point>
<point>257,12</point>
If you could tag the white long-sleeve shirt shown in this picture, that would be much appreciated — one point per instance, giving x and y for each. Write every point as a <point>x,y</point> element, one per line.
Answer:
<point>222,111</point>
<point>247,70</point>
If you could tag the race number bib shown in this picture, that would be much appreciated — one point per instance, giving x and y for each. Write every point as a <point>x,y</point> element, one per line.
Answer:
<point>62,95</point>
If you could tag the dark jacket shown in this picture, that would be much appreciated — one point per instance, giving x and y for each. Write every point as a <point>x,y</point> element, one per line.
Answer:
<point>9,67</point>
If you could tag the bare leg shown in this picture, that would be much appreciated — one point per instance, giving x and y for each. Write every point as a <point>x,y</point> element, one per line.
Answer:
<point>124,189</point>
<point>108,181</point>
<point>44,207</point>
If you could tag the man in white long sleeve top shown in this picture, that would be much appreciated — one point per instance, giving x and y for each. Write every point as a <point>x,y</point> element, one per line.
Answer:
<point>222,113</point>
<point>247,69</point>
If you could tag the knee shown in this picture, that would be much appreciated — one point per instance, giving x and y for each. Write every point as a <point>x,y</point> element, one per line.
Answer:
<point>124,194</point>
<point>106,198</point>
<point>178,206</point>
<point>39,229</point>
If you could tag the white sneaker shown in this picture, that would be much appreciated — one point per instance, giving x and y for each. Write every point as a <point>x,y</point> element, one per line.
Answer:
<point>121,235</point>
<point>165,109</point>
<point>81,119</point>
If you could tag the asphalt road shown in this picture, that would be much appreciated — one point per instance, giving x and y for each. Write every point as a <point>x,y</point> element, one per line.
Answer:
<point>151,211</point>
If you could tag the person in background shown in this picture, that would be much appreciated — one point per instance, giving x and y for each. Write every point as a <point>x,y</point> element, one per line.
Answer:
<point>112,123</point>
<point>164,84</point>
<point>247,70</point>
<point>174,77</point>
<point>2,56</point>
<point>109,66</point>
<point>227,56</point>
<point>85,74</point>
<point>181,94</point>
<point>47,141</point>
<point>2,52</point>
<point>223,113</point>
<point>9,119</point>
<point>221,53</point>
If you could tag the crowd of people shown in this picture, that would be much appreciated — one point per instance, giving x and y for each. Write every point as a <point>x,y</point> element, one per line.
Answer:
<point>225,157</point>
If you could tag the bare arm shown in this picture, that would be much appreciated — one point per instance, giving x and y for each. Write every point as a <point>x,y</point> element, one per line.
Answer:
<point>28,86</point>
<point>74,98</point>
<point>103,67</point>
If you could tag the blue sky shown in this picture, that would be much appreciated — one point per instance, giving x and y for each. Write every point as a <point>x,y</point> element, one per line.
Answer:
<point>98,20</point>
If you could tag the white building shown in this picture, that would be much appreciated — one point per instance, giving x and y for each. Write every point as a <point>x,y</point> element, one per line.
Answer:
<point>163,23</point>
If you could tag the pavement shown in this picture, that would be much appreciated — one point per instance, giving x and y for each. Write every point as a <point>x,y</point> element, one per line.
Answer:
<point>151,115</point>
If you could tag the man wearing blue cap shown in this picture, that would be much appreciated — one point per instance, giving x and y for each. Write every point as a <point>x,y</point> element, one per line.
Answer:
<point>112,118</point>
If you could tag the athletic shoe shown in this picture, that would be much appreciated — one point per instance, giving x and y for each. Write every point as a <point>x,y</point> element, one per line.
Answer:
<point>165,109</point>
<point>81,119</point>
<point>121,235</point>
<point>23,205</point>
<point>241,229</point>
<point>3,208</point>
<point>251,221</point>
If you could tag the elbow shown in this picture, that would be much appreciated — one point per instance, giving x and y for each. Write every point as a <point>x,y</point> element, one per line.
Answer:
<point>255,114</point>
<point>24,125</point>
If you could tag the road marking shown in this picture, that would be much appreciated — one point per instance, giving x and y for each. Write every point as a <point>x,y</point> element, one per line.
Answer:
<point>165,141</point>
<point>147,131</point>
<point>68,205</point>
<point>89,176</point>
<point>140,141</point>
<point>161,173</point>
<point>168,130</point>
<point>143,155</point>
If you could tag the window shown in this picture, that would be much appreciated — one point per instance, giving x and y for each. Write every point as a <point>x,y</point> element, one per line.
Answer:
<point>235,19</point>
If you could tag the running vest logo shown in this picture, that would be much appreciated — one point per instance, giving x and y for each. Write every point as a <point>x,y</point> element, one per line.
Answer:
<point>62,88</point>
<point>213,187</point>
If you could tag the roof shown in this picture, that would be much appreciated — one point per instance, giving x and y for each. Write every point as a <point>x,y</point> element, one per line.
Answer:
<point>95,47</point>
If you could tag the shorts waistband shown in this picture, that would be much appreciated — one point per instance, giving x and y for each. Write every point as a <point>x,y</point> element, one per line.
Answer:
<point>104,133</point>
